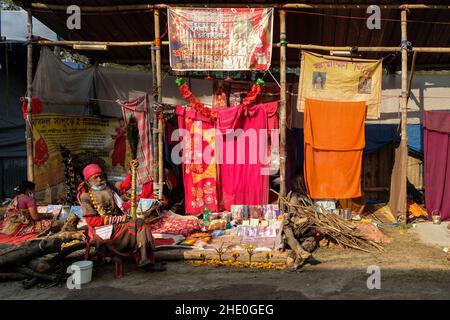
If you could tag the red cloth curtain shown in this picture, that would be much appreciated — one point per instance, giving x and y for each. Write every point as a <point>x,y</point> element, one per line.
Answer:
<point>437,162</point>
<point>244,157</point>
<point>199,172</point>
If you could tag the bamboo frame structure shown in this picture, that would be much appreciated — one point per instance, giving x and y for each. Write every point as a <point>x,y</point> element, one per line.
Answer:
<point>28,122</point>
<point>156,63</point>
<point>147,7</point>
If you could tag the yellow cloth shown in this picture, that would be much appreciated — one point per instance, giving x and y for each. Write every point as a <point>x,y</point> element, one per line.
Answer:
<point>334,142</point>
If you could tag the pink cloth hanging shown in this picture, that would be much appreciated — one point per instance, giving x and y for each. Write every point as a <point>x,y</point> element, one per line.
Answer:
<point>244,153</point>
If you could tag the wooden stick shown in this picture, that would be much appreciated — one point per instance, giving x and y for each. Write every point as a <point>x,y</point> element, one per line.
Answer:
<point>100,43</point>
<point>282,106</point>
<point>28,130</point>
<point>147,7</point>
<point>12,276</point>
<point>158,83</point>
<point>276,45</point>
<point>404,136</point>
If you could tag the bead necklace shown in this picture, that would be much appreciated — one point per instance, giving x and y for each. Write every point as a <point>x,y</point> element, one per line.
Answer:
<point>97,207</point>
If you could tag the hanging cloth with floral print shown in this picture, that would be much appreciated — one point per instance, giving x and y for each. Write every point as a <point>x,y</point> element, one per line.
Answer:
<point>198,142</point>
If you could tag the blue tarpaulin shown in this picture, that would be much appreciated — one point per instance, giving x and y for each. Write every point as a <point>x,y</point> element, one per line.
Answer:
<point>415,138</point>
<point>377,136</point>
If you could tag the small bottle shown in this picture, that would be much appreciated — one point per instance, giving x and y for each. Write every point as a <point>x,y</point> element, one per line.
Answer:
<point>206,213</point>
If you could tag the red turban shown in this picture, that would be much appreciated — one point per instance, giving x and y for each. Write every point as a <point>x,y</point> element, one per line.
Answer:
<point>90,170</point>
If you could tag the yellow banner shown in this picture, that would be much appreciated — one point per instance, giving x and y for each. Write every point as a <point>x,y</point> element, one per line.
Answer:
<point>340,79</point>
<point>90,137</point>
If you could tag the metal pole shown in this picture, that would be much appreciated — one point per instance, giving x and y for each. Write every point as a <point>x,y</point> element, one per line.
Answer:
<point>28,122</point>
<point>283,103</point>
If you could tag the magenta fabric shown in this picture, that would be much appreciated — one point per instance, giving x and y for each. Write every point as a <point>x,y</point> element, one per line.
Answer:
<point>25,202</point>
<point>437,162</point>
<point>244,178</point>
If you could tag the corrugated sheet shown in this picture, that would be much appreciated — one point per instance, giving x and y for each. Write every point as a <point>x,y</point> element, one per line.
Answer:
<point>12,172</point>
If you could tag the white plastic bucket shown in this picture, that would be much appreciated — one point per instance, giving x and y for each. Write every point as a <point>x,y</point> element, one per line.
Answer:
<point>85,270</point>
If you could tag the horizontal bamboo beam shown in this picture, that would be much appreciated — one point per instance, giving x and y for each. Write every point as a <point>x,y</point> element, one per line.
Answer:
<point>290,45</point>
<point>364,49</point>
<point>100,43</point>
<point>147,7</point>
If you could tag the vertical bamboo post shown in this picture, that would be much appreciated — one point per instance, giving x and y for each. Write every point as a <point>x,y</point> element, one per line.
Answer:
<point>283,44</point>
<point>155,120</point>
<point>158,83</point>
<point>29,132</point>
<point>404,137</point>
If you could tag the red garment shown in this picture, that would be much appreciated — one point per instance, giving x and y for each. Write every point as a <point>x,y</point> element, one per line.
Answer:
<point>119,152</point>
<point>437,163</point>
<point>244,176</point>
<point>200,174</point>
<point>146,192</point>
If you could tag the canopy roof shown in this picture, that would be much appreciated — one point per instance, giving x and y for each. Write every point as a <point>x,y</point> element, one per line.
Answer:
<point>304,26</point>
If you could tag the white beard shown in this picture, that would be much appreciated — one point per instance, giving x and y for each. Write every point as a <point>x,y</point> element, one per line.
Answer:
<point>99,187</point>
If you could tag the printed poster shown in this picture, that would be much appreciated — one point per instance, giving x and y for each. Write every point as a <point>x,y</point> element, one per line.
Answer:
<point>340,79</point>
<point>220,38</point>
<point>85,136</point>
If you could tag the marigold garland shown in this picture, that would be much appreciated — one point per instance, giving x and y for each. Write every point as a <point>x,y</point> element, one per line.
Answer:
<point>197,105</point>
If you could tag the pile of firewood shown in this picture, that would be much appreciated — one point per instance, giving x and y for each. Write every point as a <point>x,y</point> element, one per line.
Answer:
<point>304,227</point>
<point>43,258</point>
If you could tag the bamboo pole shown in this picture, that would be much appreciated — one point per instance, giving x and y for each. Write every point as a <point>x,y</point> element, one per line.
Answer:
<point>404,136</point>
<point>277,45</point>
<point>146,7</point>
<point>155,120</point>
<point>158,83</point>
<point>100,43</point>
<point>28,122</point>
<point>283,104</point>
<point>363,49</point>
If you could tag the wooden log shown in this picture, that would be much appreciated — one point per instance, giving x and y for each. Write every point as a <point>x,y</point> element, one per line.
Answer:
<point>294,244</point>
<point>48,264</point>
<point>36,248</point>
<point>29,283</point>
<point>12,276</point>
<point>194,254</point>
<point>29,272</point>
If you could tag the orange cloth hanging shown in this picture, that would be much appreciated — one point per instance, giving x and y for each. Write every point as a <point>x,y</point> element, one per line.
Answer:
<point>334,143</point>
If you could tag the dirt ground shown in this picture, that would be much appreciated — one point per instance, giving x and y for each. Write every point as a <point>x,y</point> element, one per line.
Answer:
<point>409,270</point>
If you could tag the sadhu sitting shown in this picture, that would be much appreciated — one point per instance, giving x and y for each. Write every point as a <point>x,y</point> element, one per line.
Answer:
<point>102,206</point>
<point>22,218</point>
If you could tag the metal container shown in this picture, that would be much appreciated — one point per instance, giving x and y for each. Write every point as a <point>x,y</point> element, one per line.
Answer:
<point>437,219</point>
<point>347,214</point>
<point>436,216</point>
